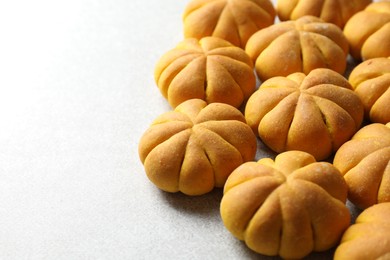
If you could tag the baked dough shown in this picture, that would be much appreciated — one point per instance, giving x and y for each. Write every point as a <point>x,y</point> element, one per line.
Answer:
<point>368,32</point>
<point>371,81</point>
<point>232,20</point>
<point>298,46</point>
<point>369,237</point>
<point>332,11</point>
<point>195,147</point>
<point>365,163</point>
<point>316,113</point>
<point>211,69</point>
<point>287,207</point>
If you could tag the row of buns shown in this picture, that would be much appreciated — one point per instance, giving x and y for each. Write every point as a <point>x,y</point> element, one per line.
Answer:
<point>306,110</point>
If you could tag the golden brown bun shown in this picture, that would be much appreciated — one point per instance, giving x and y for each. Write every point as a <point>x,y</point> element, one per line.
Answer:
<point>210,69</point>
<point>368,32</point>
<point>371,81</point>
<point>287,207</point>
<point>232,20</point>
<point>369,237</point>
<point>316,113</point>
<point>298,46</point>
<point>331,11</point>
<point>195,147</point>
<point>364,162</point>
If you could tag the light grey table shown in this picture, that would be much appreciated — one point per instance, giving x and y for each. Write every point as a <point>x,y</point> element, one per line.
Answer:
<point>77,94</point>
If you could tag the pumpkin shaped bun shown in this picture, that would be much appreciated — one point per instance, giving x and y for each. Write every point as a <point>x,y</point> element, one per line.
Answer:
<point>365,163</point>
<point>232,20</point>
<point>371,81</point>
<point>368,32</point>
<point>332,11</point>
<point>369,237</point>
<point>287,207</point>
<point>195,147</point>
<point>211,69</point>
<point>316,113</point>
<point>298,46</point>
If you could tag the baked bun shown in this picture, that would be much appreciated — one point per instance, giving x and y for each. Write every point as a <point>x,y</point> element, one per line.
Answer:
<point>364,162</point>
<point>195,147</point>
<point>287,207</point>
<point>368,32</point>
<point>298,46</point>
<point>232,20</point>
<point>316,113</point>
<point>210,69</point>
<point>369,237</point>
<point>332,11</point>
<point>371,81</point>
